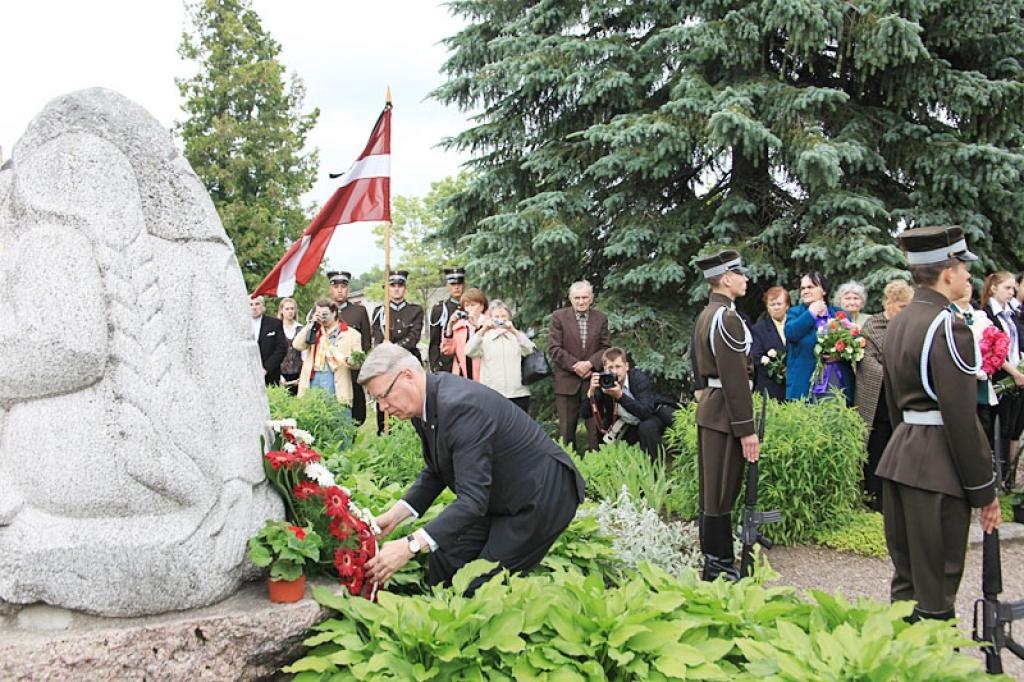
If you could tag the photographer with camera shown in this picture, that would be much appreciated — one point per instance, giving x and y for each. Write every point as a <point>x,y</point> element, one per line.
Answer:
<point>331,344</point>
<point>498,350</point>
<point>464,324</point>
<point>625,406</point>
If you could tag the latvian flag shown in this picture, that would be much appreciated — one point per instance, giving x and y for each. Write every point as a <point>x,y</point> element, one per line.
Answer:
<point>364,193</point>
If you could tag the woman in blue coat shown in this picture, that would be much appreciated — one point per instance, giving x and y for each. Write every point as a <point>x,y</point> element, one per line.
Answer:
<point>802,325</point>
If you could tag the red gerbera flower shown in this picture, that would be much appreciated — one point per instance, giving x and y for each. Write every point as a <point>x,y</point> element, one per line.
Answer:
<point>280,458</point>
<point>341,528</point>
<point>349,561</point>
<point>299,533</point>
<point>306,454</point>
<point>841,315</point>
<point>336,501</point>
<point>306,490</point>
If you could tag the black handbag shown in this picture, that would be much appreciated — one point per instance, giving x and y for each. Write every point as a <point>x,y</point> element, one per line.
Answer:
<point>535,367</point>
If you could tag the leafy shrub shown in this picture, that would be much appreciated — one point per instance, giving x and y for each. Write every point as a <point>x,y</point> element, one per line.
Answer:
<point>811,466</point>
<point>615,466</point>
<point>585,547</point>
<point>569,626</point>
<point>317,412</point>
<point>640,535</point>
<point>395,458</point>
<point>862,532</point>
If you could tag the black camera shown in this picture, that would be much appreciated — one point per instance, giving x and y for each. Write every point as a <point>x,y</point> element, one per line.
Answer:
<point>606,380</point>
<point>461,315</point>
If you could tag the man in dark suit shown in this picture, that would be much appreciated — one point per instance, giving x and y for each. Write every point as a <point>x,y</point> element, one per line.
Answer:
<point>356,317</point>
<point>268,332</point>
<point>628,409</point>
<point>937,465</point>
<point>725,413</point>
<point>455,280</point>
<point>516,490</point>
<point>576,340</point>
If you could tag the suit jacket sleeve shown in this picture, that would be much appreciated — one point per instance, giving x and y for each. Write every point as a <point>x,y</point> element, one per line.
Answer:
<point>732,371</point>
<point>967,442</point>
<point>799,323</point>
<point>644,400</point>
<point>428,484</point>
<point>468,434</point>
<point>556,348</point>
<point>280,347</point>
<point>604,342</point>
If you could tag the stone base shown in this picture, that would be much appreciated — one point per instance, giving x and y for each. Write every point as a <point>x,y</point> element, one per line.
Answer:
<point>244,637</point>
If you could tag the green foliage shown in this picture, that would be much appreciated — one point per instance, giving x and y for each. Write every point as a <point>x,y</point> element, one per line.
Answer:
<point>861,532</point>
<point>280,546</point>
<point>415,230</point>
<point>617,466</point>
<point>317,412</point>
<point>571,626</point>
<point>584,546</point>
<point>811,466</point>
<point>617,140</point>
<point>244,133</point>
<point>396,458</point>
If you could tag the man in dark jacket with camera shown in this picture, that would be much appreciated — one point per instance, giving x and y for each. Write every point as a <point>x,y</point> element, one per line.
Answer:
<point>625,405</point>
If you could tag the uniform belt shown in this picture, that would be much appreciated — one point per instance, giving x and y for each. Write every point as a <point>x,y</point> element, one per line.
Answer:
<point>929,418</point>
<point>715,382</point>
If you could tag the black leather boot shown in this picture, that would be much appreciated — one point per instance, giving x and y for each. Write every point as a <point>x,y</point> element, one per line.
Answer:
<point>717,547</point>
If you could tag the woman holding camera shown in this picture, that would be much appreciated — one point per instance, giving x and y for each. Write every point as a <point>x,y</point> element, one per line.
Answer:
<point>498,349</point>
<point>465,322</point>
<point>330,344</point>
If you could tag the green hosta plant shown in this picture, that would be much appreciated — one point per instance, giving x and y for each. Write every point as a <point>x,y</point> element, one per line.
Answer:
<point>653,626</point>
<point>285,548</point>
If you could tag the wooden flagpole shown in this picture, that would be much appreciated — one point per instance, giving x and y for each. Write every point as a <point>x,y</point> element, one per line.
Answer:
<point>387,277</point>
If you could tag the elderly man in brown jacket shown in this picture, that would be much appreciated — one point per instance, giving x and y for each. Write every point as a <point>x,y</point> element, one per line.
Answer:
<point>576,341</point>
<point>725,413</point>
<point>937,464</point>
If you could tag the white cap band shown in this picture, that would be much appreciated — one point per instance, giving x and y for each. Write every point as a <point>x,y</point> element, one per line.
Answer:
<point>723,268</point>
<point>936,255</point>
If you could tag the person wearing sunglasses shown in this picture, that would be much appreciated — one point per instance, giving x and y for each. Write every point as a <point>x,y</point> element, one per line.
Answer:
<point>516,490</point>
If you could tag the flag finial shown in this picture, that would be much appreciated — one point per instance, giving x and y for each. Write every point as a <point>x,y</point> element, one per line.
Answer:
<point>387,97</point>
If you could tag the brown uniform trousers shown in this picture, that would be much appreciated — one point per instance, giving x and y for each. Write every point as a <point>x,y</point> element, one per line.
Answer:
<point>724,415</point>
<point>933,474</point>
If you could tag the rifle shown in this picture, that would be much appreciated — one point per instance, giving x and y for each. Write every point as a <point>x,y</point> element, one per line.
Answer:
<point>753,519</point>
<point>995,625</point>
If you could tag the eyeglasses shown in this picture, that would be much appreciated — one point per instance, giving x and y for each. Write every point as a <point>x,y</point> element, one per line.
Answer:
<point>384,396</point>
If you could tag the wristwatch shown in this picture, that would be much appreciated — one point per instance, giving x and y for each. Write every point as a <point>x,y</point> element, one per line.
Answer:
<point>414,544</point>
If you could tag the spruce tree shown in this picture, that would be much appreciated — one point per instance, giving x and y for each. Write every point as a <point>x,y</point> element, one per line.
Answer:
<point>617,140</point>
<point>245,132</point>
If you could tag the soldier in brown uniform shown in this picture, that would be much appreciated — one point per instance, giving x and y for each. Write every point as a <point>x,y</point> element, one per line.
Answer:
<point>455,280</point>
<point>938,463</point>
<point>725,413</point>
<point>356,317</point>
<point>406,324</point>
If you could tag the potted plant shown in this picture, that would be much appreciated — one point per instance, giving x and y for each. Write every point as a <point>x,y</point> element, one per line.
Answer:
<point>285,548</point>
<point>1016,500</point>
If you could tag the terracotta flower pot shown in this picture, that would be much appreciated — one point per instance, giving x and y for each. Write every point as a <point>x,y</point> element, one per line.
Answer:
<point>287,591</point>
<point>1018,513</point>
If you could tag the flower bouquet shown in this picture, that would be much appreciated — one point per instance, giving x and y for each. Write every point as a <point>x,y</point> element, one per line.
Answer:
<point>774,364</point>
<point>994,346</point>
<point>356,359</point>
<point>314,499</point>
<point>839,341</point>
<point>285,549</point>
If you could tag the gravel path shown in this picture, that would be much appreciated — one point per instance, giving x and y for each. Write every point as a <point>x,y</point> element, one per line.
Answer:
<point>828,570</point>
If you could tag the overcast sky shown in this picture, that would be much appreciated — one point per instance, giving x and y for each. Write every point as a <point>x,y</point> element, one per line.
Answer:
<point>347,53</point>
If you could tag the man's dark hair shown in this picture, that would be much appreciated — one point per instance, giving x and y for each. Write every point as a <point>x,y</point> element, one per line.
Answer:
<point>819,280</point>
<point>614,353</point>
<point>927,275</point>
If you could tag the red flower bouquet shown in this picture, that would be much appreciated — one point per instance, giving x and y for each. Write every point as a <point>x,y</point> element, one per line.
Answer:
<point>314,501</point>
<point>840,341</point>
<point>994,345</point>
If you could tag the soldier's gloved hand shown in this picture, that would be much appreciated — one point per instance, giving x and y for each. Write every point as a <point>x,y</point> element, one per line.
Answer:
<point>751,447</point>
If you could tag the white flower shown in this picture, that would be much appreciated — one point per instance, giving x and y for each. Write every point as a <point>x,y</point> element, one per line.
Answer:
<point>765,360</point>
<point>319,473</point>
<point>278,424</point>
<point>772,353</point>
<point>305,436</point>
<point>288,447</point>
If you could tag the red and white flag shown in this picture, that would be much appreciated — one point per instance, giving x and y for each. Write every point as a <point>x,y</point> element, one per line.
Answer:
<point>364,193</point>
